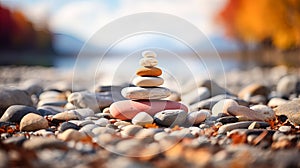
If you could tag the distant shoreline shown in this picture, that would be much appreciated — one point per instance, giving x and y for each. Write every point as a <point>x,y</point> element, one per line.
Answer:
<point>266,57</point>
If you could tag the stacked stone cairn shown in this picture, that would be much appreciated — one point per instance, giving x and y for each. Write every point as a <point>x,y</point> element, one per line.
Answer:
<point>147,94</point>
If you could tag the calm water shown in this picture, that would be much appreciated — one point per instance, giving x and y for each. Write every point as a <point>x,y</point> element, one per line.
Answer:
<point>115,70</point>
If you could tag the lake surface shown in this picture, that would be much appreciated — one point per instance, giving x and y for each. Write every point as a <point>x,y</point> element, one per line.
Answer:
<point>116,69</point>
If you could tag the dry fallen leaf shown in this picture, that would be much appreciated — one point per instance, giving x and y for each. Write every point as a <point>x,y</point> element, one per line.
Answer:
<point>151,126</point>
<point>238,138</point>
<point>260,137</point>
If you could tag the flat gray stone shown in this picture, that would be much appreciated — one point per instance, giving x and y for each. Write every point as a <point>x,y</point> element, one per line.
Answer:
<point>50,110</point>
<point>252,90</point>
<point>275,102</point>
<point>52,102</point>
<point>291,110</point>
<point>52,95</point>
<point>255,132</point>
<point>13,96</point>
<point>88,128</point>
<point>244,124</point>
<point>209,103</point>
<point>32,86</point>
<point>267,112</point>
<point>248,114</point>
<point>67,125</point>
<point>85,112</point>
<point>142,119</point>
<point>170,117</point>
<point>16,112</point>
<point>81,123</point>
<point>130,130</point>
<point>67,115</point>
<point>213,87</point>
<point>196,117</point>
<point>287,85</point>
<point>228,119</point>
<point>94,101</point>
<point>102,122</point>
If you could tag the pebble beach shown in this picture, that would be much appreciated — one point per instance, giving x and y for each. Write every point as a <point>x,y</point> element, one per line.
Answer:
<point>252,120</point>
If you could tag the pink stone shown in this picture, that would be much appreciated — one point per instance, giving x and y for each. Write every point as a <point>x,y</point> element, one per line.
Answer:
<point>127,109</point>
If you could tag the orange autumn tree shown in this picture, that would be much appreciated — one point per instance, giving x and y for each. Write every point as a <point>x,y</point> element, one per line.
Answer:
<point>274,23</point>
<point>18,33</point>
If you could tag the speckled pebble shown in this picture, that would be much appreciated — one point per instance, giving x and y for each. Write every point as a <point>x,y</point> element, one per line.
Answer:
<point>130,130</point>
<point>102,122</point>
<point>170,117</point>
<point>142,119</point>
<point>267,112</point>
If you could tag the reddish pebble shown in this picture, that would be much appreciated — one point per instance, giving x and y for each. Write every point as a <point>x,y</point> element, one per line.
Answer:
<point>127,109</point>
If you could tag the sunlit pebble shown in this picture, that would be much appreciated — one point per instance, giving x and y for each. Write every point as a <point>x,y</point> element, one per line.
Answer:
<point>112,121</point>
<point>149,54</point>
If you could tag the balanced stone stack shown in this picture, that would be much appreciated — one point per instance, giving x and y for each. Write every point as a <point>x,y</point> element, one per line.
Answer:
<point>146,95</point>
<point>147,82</point>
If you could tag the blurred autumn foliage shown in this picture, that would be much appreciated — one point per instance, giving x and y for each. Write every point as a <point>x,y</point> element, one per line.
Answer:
<point>268,23</point>
<point>18,33</point>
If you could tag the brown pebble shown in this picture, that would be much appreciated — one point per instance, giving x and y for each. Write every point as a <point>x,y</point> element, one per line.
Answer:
<point>32,122</point>
<point>252,90</point>
<point>71,134</point>
<point>148,71</point>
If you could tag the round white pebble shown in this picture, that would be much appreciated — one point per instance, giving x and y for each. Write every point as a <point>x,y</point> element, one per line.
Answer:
<point>149,54</point>
<point>147,81</point>
<point>138,93</point>
<point>148,62</point>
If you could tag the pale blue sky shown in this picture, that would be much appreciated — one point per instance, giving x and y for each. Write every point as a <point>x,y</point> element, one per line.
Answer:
<point>82,19</point>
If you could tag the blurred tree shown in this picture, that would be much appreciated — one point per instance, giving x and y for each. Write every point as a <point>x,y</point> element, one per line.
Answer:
<point>6,26</point>
<point>23,32</point>
<point>269,23</point>
<point>18,33</point>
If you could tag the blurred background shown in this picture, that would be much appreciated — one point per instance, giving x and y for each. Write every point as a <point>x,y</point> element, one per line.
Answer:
<point>51,33</point>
